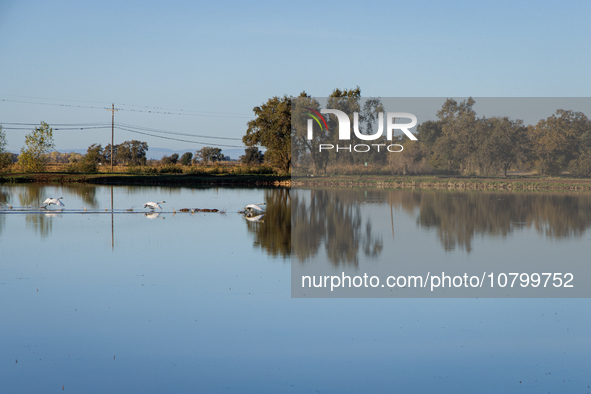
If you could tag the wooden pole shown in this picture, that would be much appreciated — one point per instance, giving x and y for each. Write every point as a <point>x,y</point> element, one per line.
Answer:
<point>112,131</point>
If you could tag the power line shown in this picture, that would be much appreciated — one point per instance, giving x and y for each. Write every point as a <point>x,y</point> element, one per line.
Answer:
<point>60,128</point>
<point>176,133</point>
<point>177,139</point>
<point>57,124</point>
<point>54,105</point>
<point>125,127</point>
<point>85,126</point>
<point>144,108</point>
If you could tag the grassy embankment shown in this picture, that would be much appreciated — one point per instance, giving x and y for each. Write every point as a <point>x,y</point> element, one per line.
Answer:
<point>265,176</point>
<point>153,175</point>
<point>449,182</point>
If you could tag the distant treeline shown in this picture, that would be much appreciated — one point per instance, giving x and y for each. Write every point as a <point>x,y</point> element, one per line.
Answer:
<point>459,142</point>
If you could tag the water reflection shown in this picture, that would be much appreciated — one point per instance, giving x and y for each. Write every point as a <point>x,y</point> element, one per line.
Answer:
<point>34,195</point>
<point>459,216</point>
<point>342,221</point>
<point>153,215</point>
<point>273,231</point>
<point>325,217</point>
<point>332,217</point>
<point>41,223</point>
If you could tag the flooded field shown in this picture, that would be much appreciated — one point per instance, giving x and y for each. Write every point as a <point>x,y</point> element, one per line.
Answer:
<point>104,295</point>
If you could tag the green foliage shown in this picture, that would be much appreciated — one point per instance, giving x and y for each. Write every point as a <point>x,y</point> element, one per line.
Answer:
<point>82,166</point>
<point>172,159</point>
<point>2,140</point>
<point>306,152</point>
<point>209,154</point>
<point>128,153</point>
<point>94,154</point>
<point>272,129</point>
<point>252,155</point>
<point>37,143</point>
<point>559,139</point>
<point>5,159</point>
<point>132,152</point>
<point>186,158</point>
<point>89,162</point>
<point>581,166</point>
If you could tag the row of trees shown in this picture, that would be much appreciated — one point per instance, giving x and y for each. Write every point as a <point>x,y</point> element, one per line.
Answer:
<point>457,142</point>
<point>461,141</point>
<point>208,154</point>
<point>39,143</point>
<point>205,155</point>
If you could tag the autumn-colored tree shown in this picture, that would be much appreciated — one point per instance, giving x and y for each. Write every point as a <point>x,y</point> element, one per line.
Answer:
<point>458,138</point>
<point>557,140</point>
<point>501,143</point>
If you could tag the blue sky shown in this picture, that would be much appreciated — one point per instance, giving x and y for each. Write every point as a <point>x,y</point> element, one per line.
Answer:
<point>216,61</point>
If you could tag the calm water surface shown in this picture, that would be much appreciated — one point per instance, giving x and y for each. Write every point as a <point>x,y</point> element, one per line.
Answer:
<point>99,302</point>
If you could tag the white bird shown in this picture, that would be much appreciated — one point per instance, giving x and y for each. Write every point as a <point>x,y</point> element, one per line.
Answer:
<point>53,201</point>
<point>153,205</point>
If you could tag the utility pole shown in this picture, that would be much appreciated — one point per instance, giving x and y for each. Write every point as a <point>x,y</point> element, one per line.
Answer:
<point>112,132</point>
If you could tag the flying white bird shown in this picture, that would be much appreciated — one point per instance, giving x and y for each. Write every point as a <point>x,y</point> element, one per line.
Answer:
<point>153,205</point>
<point>53,201</point>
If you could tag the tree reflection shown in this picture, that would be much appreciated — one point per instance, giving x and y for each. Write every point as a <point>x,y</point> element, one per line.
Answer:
<point>41,222</point>
<point>333,218</point>
<point>306,221</point>
<point>273,234</point>
<point>33,195</point>
<point>323,217</point>
<point>459,216</point>
<point>4,203</point>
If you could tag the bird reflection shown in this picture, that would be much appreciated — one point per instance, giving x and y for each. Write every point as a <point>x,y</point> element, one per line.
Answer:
<point>153,215</point>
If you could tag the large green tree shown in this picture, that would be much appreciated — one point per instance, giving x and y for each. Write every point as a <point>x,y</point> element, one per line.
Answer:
<point>306,108</point>
<point>272,129</point>
<point>307,152</point>
<point>37,144</point>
